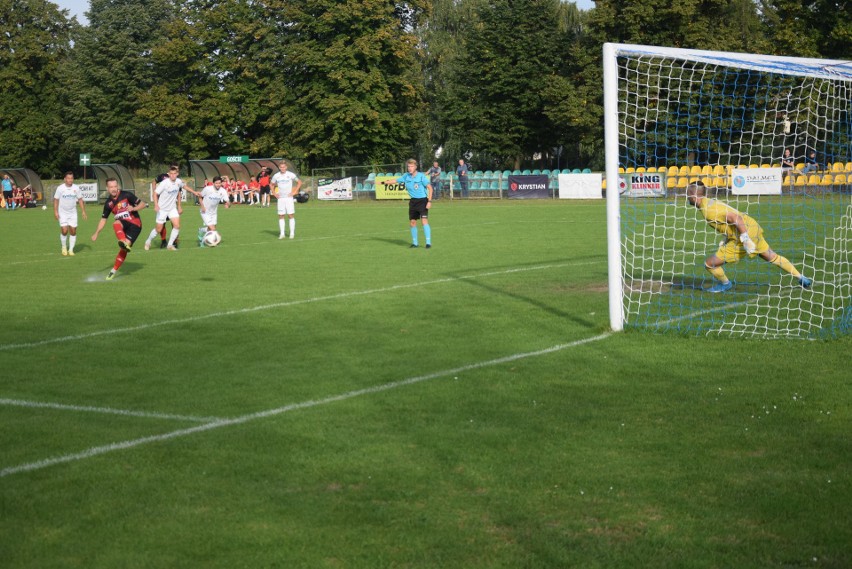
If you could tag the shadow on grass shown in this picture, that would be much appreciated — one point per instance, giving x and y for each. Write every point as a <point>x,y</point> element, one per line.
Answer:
<point>471,280</point>
<point>397,242</point>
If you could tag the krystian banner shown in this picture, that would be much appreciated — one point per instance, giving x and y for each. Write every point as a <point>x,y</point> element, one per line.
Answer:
<point>528,188</point>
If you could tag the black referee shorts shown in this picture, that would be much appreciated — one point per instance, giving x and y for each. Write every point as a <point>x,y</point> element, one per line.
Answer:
<point>417,208</point>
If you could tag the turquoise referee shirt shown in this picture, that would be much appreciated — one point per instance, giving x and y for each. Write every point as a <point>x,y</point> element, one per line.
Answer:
<point>415,185</point>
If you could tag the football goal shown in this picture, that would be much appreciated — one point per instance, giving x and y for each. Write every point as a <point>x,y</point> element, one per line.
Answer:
<point>716,125</point>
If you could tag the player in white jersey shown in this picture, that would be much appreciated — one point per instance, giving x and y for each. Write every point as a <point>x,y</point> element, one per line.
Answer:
<point>65,201</point>
<point>168,207</point>
<point>210,197</point>
<point>286,186</point>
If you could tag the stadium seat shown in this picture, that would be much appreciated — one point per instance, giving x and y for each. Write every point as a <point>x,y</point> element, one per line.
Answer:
<point>504,183</point>
<point>516,172</point>
<point>536,172</point>
<point>800,166</point>
<point>526,173</point>
<point>695,170</point>
<point>719,170</point>
<point>494,186</point>
<point>672,171</point>
<point>671,182</point>
<point>813,180</point>
<point>359,187</point>
<point>487,174</point>
<point>720,181</point>
<point>576,171</point>
<point>620,170</point>
<point>661,169</point>
<point>506,173</point>
<point>849,166</point>
<point>630,170</point>
<point>765,165</point>
<point>707,170</point>
<point>683,171</point>
<point>826,180</point>
<point>603,183</point>
<point>475,185</point>
<point>546,172</point>
<point>371,176</point>
<point>753,166</point>
<point>682,182</point>
<point>641,170</point>
<point>840,179</point>
<point>799,181</point>
<point>587,171</point>
<point>837,167</point>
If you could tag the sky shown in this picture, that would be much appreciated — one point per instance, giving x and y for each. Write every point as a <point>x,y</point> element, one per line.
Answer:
<point>78,7</point>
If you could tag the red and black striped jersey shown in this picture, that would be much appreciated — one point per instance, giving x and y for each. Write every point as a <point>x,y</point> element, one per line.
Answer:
<point>120,207</point>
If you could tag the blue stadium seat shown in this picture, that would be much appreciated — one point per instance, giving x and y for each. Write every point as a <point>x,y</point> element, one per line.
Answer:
<point>576,171</point>
<point>516,172</point>
<point>536,172</point>
<point>587,171</point>
<point>526,173</point>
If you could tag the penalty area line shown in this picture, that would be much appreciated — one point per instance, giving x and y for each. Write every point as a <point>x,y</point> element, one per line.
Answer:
<point>122,445</point>
<point>106,410</point>
<point>285,304</point>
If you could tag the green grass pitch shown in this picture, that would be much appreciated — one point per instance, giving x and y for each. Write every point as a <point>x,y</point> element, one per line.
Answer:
<point>340,400</point>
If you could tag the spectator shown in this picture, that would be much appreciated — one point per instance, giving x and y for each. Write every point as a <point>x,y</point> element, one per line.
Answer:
<point>435,179</point>
<point>788,164</point>
<point>7,190</point>
<point>811,163</point>
<point>462,172</point>
<point>263,181</point>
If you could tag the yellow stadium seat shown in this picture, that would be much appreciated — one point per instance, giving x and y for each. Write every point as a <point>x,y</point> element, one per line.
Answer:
<point>800,181</point>
<point>826,180</point>
<point>672,171</point>
<point>707,170</point>
<point>620,170</point>
<point>800,166</point>
<point>683,171</point>
<point>661,169</point>
<point>629,170</point>
<point>839,179</point>
<point>837,167</point>
<point>719,170</point>
<point>682,182</point>
<point>849,166</point>
<point>813,180</point>
<point>603,181</point>
<point>671,182</point>
<point>640,170</point>
<point>695,171</point>
<point>720,182</point>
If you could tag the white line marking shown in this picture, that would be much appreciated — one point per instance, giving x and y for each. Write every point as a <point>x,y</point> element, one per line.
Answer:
<point>95,451</point>
<point>107,410</point>
<point>250,309</point>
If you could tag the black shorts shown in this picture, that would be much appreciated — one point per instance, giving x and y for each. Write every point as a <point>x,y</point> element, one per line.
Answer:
<point>7,195</point>
<point>131,230</point>
<point>417,208</point>
<point>264,190</point>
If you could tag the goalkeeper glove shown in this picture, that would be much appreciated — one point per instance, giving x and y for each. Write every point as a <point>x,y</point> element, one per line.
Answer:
<point>748,244</point>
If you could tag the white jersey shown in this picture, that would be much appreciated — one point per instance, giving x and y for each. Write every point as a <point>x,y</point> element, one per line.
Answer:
<point>168,193</point>
<point>211,197</point>
<point>68,197</point>
<point>284,182</point>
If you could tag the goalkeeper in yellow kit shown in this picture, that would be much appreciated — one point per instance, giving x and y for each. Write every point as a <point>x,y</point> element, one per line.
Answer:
<point>744,237</point>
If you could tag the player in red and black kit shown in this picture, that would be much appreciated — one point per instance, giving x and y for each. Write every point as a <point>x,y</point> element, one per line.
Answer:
<point>127,225</point>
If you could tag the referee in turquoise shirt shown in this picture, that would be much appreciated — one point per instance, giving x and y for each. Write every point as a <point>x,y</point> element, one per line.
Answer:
<point>420,191</point>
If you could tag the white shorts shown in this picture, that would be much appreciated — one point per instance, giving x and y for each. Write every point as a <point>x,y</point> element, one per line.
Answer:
<point>68,218</point>
<point>286,205</point>
<point>162,215</point>
<point>210,218</point>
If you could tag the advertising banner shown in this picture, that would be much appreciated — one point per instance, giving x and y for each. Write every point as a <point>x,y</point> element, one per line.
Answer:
<point>330,189</point>
<point>90,192</point>
<point>388,189</point>
<point>645,185</point>
<point>756,181</point>
<point>580,186</point>
<point>528,187</point>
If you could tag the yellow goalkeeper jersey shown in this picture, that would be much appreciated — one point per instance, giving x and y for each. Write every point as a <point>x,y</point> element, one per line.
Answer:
<point>716,212</point>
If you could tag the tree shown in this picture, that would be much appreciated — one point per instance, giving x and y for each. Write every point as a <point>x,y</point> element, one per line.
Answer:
<point>35,39</point>
<point>494,99</point>
<point>110,77</point>
<point>348,86</point>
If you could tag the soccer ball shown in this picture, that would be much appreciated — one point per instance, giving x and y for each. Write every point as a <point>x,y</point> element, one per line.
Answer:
<point>44,207</point>
<point>212,238</point>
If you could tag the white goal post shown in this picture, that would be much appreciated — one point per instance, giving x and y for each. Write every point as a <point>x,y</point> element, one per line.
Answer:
<point>718,124</point>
